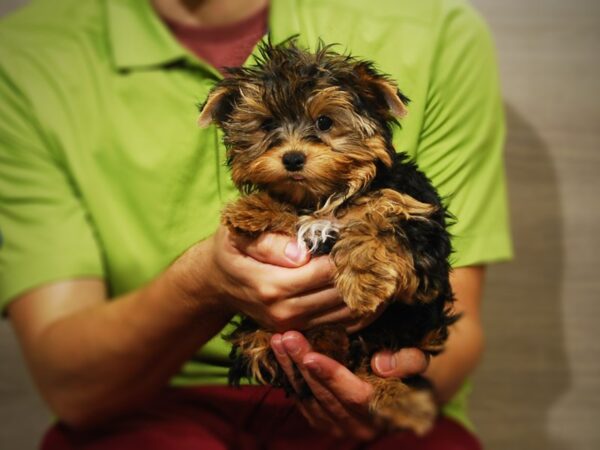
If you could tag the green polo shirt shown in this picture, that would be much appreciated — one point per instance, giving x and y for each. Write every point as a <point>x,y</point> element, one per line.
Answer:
<point>103,172</point>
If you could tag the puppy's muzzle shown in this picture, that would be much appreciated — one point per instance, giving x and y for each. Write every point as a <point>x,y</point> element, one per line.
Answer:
<point>293,160</point>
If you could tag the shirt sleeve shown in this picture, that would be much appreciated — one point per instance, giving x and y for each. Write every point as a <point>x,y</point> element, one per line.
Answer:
<point>45,234</point>
<point>462,140</point>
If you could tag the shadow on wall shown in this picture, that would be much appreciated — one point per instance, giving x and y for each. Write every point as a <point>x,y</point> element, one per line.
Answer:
<point>525,369</point>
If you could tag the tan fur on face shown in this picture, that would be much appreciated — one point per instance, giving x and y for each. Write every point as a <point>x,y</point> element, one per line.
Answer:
<point>339,166</point>
<point>337,104</point>
<point>342,161</point>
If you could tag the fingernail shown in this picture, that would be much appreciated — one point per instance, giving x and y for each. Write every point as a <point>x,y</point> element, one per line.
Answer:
<point>313,367</point>
<point>294,252</point>
<point>291,346</point>
<point>277,346</point>
<point>385,363</point>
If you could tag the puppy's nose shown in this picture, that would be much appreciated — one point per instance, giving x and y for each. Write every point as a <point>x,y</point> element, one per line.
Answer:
<point>293,160</point>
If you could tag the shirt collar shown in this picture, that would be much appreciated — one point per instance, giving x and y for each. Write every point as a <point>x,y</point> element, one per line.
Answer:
<point>138,38</point>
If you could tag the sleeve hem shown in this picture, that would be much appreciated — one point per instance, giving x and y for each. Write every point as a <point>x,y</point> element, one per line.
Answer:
<point>456,409</point>
<point>25,276</point>
<point>481,249</point>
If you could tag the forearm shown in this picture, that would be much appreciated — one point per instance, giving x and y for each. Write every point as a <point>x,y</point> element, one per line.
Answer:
<point>449,370</point>
<point>464,346</point>
<point>122,351</point>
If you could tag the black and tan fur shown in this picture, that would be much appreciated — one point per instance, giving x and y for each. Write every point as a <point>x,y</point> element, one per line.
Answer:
<point>390,247</point>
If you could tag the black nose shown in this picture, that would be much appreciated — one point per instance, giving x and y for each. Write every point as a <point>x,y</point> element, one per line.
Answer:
<point>294,160</point>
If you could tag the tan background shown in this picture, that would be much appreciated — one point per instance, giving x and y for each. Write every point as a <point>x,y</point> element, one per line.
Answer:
<point>539,384</point>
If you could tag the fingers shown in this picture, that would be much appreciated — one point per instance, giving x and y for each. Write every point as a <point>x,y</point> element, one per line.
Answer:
<point>309,408</point>
<point>402,364</point>
<point>363,321</point>
<point>274,260</point>
<point>340,313</point>
<point>325,378</point>
<point>357,325</point>
<point>283,262</point>
<point>274,249</point>
<point>345,386</point>
<point>317,273</point>
<point>306,311</point>
<point>278,284</point>
<point>288,281</point>
<point>284,360</point>
<point>316,301</point>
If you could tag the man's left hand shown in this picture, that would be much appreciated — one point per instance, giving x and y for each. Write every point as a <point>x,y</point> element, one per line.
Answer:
<point>340,402</point>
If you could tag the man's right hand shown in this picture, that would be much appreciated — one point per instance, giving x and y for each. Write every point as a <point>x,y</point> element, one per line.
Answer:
<point>271,280</point>
<point>95,359</point>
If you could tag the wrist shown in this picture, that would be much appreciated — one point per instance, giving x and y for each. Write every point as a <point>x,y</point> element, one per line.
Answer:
<point>192,277</point>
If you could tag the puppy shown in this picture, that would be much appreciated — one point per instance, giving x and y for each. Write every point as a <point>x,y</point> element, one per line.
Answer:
<point>309,145</point>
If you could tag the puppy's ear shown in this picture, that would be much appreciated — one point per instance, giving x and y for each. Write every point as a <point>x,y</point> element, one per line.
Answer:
<point>216,107</point>
<point>384,89</point>
<point>395,100</point>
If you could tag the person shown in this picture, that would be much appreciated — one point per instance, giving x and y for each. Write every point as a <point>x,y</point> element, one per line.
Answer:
<point>114,270</point>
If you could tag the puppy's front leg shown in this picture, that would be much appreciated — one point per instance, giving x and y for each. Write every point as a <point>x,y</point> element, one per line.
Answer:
<point>257,213</point>
<point>371,265</point>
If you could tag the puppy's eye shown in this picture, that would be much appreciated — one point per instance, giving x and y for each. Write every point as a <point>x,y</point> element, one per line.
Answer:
<point>324,123</point>
<point>268,125</point>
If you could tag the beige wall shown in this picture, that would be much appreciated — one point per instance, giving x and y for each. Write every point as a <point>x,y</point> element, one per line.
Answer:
<point>539,384</point>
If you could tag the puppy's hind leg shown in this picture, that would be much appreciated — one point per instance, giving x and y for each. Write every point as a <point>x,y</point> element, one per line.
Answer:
<point>252,357</point>
<point>398,405</point>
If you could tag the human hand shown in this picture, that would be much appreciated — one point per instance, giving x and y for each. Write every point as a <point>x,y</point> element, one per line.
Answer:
<point>274,282</point>
<point>340,402</point>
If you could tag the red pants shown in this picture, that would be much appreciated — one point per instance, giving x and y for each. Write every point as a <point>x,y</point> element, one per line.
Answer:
<point>250,418</point>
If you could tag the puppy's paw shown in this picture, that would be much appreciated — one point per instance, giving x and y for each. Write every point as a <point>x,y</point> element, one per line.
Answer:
<point>258,213</point>
<point>365,274</point>
<point>364,292</point>
<point>399,406</point>
<point>318,236</point>
<point>372,267</point>
<point>243,220</point>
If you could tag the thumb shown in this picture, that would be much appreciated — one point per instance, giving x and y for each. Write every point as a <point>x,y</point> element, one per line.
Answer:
<point>274,249</point>
<point>404,363</point>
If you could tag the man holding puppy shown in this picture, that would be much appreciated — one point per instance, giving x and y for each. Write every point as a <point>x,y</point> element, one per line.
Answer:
<point>106,188</point>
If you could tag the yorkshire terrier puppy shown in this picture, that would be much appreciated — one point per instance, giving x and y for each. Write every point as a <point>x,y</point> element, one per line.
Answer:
<point>309,144</point>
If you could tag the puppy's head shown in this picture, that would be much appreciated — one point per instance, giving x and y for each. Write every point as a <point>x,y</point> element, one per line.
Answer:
<point>305,126</point>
